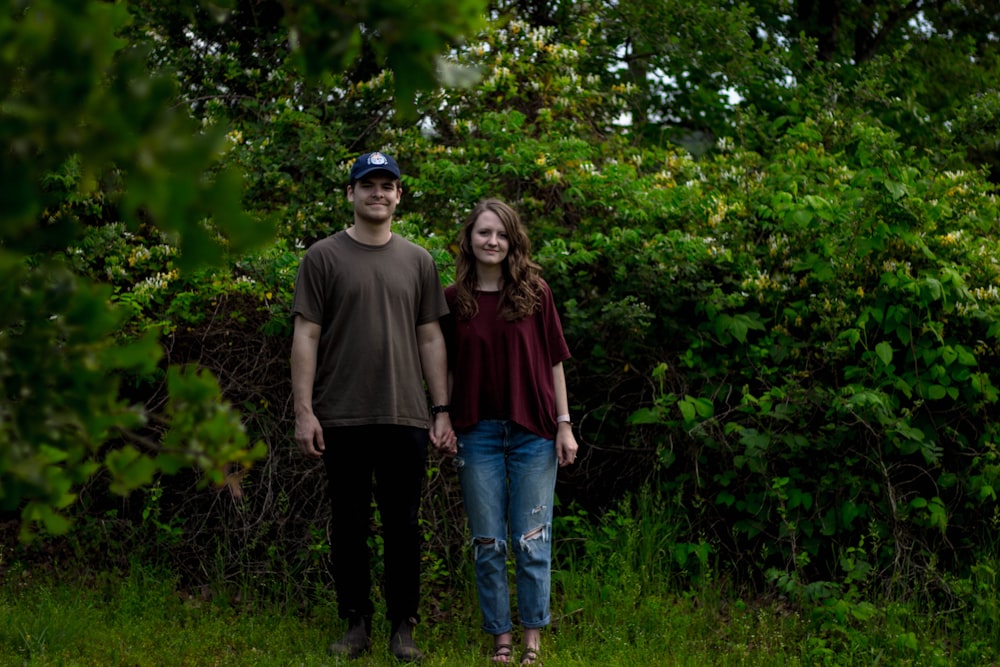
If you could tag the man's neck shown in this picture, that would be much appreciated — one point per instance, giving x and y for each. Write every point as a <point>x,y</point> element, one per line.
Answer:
<point>370,234</point>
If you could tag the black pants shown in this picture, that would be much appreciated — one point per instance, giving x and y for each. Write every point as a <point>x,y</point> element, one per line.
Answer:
<point>395,458</point>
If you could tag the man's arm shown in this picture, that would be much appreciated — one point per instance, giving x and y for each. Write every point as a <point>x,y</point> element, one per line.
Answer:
<point>434,360</point>
<point>305,343</point>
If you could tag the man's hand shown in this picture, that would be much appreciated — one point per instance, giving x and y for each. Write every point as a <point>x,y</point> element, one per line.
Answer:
<point>309,436</point>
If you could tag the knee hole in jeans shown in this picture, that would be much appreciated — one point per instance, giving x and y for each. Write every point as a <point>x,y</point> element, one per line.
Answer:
<point>539,533</point>
<point>483,544</point>
<point>534,534</point>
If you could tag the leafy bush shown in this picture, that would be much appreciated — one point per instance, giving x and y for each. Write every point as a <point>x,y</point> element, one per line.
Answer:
<point>794,338</point>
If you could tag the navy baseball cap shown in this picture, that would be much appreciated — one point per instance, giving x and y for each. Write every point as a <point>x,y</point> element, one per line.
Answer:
<point>370,162</point>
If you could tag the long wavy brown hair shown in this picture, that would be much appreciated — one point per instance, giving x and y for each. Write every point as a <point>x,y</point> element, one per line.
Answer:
<point>521,291</point>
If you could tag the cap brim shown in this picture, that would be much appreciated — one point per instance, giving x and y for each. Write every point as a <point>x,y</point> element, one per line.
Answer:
<point>372,170</point>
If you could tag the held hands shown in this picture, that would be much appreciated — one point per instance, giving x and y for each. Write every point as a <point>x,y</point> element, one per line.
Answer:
<point>443,435</point>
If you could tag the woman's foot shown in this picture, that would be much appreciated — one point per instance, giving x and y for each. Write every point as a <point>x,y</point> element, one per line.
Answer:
<point>530,657</point>
<point>532,647</point>
<point>503,649</point>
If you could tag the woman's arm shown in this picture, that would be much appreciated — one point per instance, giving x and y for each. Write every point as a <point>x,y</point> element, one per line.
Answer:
<point>566,446</point>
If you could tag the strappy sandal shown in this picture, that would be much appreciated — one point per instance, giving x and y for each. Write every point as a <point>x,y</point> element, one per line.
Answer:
<point>530,657</point>
<point>502,654</point>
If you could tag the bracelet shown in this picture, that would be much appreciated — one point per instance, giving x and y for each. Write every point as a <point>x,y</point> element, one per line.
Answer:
<point>438,409</point>
<point>564,418</point>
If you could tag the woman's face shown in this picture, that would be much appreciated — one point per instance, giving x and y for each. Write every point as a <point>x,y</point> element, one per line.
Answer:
<point>489,240</point>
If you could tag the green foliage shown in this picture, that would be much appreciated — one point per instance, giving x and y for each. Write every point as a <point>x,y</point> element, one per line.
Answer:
<point>838,382</point>
<point>79,97</point>
<point>328,37</point>
<point>93,135</point>
<point>773,250</point>
<point>794,336</point>
<point>60,375</point>
<point>114,196</point>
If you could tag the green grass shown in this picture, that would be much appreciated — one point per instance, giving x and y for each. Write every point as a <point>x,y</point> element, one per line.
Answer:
<point>625,593</point>
<point>601,617</point>
<point>145,622</point>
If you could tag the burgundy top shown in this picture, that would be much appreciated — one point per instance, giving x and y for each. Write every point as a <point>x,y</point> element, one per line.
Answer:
<point>503,370</point>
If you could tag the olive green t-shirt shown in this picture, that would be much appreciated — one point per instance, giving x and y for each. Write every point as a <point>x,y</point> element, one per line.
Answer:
<point>368,301</point>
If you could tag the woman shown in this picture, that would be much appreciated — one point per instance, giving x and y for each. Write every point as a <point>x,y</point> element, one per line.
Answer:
<point>510,411</point>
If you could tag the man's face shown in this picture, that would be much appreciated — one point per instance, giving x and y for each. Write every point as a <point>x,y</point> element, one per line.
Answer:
<point>375,197</point>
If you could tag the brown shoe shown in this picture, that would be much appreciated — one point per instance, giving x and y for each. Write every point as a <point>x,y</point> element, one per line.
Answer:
<point>401,644</point>
<point>356,641</point>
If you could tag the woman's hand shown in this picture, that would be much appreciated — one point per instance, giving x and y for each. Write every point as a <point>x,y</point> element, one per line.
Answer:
<point>566,447</point>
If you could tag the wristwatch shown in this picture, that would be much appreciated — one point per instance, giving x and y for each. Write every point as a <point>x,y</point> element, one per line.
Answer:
<point>438,409</point>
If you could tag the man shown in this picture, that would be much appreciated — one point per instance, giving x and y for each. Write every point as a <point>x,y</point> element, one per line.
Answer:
<point>366,337</point>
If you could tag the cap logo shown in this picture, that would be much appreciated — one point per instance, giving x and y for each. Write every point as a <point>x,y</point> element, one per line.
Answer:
<point>374,161</point>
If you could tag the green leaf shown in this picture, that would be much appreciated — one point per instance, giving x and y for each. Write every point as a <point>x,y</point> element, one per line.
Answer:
<point>936,392</point>
<point>687,409</point>
<point>864,611</point>
<point>884,352</point>
<point>799,217</point>
<point>852,336</point>
<point>725,498</point>
<point>965,356</point>
<point>938,514</point>
<point>646,416</point>
<point>948,354</point>
<point>54,522</point>
<point>848,513</point>
<point>896,189</point>
<point>129,469</point>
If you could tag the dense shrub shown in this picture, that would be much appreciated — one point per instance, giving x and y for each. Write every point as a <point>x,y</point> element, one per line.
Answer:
<point>795,346</point>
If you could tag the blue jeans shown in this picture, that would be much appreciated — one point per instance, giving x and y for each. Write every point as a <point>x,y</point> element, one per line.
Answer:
<point>508,479</point>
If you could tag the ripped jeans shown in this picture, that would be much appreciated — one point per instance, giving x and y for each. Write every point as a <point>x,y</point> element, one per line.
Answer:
<point>508,479</point>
